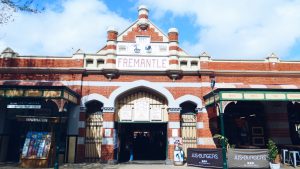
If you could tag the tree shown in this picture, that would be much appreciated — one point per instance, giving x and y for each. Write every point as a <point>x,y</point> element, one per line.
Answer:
<point>9,7</point>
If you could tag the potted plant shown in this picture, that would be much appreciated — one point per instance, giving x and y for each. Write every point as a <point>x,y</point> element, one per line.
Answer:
<point>273,155</point>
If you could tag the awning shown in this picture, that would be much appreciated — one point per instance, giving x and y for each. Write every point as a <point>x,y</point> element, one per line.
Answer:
<point>42,92</point>
<point>222,94</point>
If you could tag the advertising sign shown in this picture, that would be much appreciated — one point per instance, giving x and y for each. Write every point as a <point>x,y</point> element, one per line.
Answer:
<point>248,158</point>
<point>206,158</point>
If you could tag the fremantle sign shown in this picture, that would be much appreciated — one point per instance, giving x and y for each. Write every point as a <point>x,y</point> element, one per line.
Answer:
<point>142,63</point>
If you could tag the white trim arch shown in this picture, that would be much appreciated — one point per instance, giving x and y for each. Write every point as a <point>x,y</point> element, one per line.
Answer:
<point>141,83</point>
<point>94,96</point>
<point>190,98</point>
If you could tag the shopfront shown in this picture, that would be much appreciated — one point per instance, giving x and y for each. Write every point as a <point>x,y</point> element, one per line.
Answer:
<point>34,120</point>
<point>251,117</point>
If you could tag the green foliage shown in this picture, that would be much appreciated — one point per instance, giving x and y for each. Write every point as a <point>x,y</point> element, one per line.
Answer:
<point>272,151</point>
<point>220,138</point>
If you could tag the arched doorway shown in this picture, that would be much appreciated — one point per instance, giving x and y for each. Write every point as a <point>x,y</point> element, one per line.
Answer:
<point>93,131</point>
<point>142,125</point>
<point>188,124</point>
<point>245,124</point>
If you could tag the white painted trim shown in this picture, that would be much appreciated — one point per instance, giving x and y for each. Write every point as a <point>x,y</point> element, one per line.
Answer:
<point>173,125</point>
<point>91,97</point>
<point>141,83</point>
<point>80,140</point>
<point>107,141</point>
<point>205,141</point>
<point>288,86</point>
<point>190,98</point>
<point>108,124</point>
<point>258,86</point>
<point>81,124</point>
<point>200,125</point>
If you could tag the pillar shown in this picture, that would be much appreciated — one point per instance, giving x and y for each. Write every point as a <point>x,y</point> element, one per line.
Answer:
<point>173,49</point>
<point>80,151</point>
<point>111,48</point>
<point>173,131</point>
<point>108,140</point>
<point>204,135</point>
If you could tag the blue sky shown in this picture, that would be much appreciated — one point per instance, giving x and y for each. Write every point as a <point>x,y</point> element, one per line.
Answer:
<point>231,29</point>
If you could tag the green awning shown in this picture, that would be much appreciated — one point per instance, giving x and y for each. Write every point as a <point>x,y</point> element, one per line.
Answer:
<point>252,95</point>
<point>43,92</point>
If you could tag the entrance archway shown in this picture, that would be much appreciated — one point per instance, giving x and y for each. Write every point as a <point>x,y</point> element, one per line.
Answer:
<point>142,125</point>
<point>245,124</point>
<point>93,131</point>
<point>188,124</point>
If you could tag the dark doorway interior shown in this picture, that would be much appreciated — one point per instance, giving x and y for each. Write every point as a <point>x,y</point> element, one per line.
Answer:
<point>147,141</point>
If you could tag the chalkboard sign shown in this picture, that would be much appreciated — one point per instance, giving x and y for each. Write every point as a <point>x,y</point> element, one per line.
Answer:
<point>206,158</point>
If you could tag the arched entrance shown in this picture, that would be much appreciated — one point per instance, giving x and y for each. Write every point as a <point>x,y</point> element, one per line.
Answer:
<point>142,125</point>
<point>188,125</point>
<point>93,131</point>
<point>245,124</point>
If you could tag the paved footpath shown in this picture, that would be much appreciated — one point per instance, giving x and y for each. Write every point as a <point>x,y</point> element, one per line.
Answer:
<point>120,166</point>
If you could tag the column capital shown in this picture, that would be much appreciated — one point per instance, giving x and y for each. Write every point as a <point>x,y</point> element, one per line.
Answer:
<point>108,109</point>
<point>174,109</point>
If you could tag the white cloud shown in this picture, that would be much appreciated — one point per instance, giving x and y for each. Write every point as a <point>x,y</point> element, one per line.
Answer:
<point>247,29</point>
<point>80,24</point>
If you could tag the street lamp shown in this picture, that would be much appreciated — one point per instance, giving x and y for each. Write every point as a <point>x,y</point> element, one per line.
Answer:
<point>212,85</point>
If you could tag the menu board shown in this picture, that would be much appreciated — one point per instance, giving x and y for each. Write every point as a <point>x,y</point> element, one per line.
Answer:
<point>36,145</point>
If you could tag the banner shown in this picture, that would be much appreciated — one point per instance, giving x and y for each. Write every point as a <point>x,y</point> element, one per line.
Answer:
<point>248,158</point>
<point>207,158</point>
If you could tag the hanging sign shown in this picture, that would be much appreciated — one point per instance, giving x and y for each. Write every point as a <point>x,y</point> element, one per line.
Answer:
<point>248,158</point>
<point>141,111</point>
<point>207,158</point>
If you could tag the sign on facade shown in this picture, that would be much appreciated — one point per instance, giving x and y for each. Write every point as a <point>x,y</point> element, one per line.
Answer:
<point>207,158</point>
<point>142,63</point>
<point>141,111</point>
<point>155,114</point>
<point>248,158</point>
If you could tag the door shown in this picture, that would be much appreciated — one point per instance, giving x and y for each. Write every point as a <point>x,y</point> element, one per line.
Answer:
<point>188,131</point>
<point>93,137</point>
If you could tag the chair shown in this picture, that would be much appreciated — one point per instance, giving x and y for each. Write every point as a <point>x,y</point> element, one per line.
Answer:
<point>293,157</point>
<point>285,156</point>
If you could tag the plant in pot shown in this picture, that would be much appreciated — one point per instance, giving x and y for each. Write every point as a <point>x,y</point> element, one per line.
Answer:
<point>273,155</point>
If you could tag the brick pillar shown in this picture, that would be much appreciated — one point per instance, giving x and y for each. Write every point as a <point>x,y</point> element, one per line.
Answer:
<point>173,49</point>
<point>173,130</point>
<point>204,135</point>
<point>107,147</point>
<point>80,151</point>
<point>111,46</point>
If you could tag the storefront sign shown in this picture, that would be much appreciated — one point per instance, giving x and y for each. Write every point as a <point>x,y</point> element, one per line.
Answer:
<point>155,114</point>
<point>142,63</point>
<point>141,111</point>
<point>247,158</point>
<point>32,119</point>
<point>24,105</point>
<point>210,158</point>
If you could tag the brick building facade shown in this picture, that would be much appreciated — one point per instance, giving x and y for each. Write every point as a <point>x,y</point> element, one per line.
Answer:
<point>141,79</point>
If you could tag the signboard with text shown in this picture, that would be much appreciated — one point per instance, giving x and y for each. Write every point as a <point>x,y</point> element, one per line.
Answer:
<point>142,63</point>
<point>248,158</point>
<point>206,158</point>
